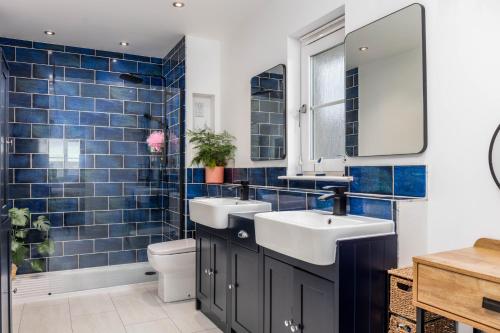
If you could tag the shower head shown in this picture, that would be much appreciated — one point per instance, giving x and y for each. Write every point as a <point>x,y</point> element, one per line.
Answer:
<point>131,78</point>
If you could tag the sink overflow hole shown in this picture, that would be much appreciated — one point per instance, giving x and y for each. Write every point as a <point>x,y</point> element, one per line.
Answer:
<point>150,273</point>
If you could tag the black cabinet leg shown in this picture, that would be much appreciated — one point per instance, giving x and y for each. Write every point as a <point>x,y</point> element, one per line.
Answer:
<point>476,330</point>
<point>420,320</point>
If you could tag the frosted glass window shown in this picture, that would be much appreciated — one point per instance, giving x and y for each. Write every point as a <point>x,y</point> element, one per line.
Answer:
<point>327,76</point>
<point>327,109</point>
<point>329,131</point>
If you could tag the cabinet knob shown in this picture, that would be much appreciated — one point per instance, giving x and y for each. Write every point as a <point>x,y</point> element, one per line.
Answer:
<point>206,272</point>
<point>294,328</point>
<point>242,234</point>
<point>287,323</point>
<point>230,287</point>
<point>210,272</point>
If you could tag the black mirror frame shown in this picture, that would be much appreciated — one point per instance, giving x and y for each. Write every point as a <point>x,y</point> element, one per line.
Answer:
<point>424,79</point>
<point>490,156</point>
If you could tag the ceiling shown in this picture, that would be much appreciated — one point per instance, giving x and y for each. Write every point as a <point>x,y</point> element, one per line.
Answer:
<point>152,27</point>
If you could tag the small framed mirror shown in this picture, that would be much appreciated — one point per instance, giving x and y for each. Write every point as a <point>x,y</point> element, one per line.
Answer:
<point>386,86</point>
<point>494,156</point>
<point>268,115</point>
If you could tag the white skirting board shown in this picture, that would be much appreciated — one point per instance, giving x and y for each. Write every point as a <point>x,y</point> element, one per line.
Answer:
<point>411,228</point>
<point>28,286</point>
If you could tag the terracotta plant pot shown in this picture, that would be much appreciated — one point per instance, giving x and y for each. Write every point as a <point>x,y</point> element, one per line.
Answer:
<point>13,271</point>
<point>214,175</point>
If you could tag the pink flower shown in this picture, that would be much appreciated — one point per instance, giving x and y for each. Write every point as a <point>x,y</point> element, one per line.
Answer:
<point>156,141</point>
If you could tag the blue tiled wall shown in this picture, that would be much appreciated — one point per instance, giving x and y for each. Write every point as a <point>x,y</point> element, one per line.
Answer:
<point>174,175</point>
<point>79,154</point>
<point>352,106</point>
<point>389,182</point>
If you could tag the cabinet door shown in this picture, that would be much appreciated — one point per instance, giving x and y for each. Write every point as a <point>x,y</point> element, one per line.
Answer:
<point>314,305</point>
<point>245,287</point>
<point>278,296</point>
<point>219,259</point>
<point>203,267</point>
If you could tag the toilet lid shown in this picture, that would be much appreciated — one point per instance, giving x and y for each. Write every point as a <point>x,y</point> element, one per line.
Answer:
<point>173,247</point>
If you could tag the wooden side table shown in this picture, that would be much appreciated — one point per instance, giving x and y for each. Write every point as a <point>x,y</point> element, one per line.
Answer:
<point>462,285</point>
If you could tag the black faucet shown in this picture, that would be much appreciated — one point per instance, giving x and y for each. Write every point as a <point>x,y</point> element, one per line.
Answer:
<point>339,199</point>
<point>244,189</point>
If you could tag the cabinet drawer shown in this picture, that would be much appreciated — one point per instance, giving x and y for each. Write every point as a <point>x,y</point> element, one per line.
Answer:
<point>242,232</point>
<point>459,294</point>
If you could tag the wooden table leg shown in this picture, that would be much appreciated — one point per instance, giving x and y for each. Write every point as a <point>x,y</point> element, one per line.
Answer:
<point>420,320</point>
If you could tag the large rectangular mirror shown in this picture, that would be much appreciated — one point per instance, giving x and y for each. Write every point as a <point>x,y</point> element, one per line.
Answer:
<point>385,86</point>
<point>268,115</point>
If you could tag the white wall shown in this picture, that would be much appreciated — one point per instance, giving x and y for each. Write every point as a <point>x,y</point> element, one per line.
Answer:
<point>203,76</point>
<point>259,45</point>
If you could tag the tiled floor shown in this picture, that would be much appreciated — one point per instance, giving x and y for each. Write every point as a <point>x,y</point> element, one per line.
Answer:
<point>127,309</point>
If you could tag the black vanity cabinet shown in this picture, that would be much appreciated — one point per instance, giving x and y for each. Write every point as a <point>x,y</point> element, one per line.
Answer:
<point>212,274</point>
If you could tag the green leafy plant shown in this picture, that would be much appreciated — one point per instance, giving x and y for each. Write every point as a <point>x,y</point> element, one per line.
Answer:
<point>20,218</point>
<point>212,149</point>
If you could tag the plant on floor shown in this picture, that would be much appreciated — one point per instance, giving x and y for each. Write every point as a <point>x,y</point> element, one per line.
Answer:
<point>213,151</point>
<point>20,218</point>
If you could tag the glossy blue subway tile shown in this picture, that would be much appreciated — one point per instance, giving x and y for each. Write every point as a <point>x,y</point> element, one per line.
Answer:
<point>134,243</point>
<point>42,161</point>
<point>48,72</point>
<point>20,130</point>
<point>78,190</point>
<point>108,133</point>
<point>149,69</point>
<point>15,42</point>
<point>196,190</point>
<point>94,231</point>
<point>410,181</point>
<point>93,203</point>
<point>136,162</point>
<point>123,202</point>
<point>63,263</point>
<point>313,202</point>
<point>46,190</point>
<point>374,180</point>
<point>19,100</point>
<point>80,50</point>
<point>19,69</point>
<point>48,102</point>
<point>94,118</point>
<point>79,103</point>
<point>31,146</point>
<point>108,78</point>
<point>257,176</point>
<point>108,244</point>
<point>34,205</point>
<point>268,196</point>
<point>9,53</point>
<point>198,175</point>
<point>65,59</point>
<point>79,132</point>
<point>63,234</point>
<point>148,201</point>
<point>213,190</point>
<point>62,205</point>
<point>18,191</point>
<point>94,175</point>
<point>95,90</point>
<point>73,219</point>
<point>109,54</point>
<point>78,247</point>
<point>371,207</point>
<point>63,176</point>
<point>31,116</point>
<point>124,66</point>
<point>66,88</point>
<point>96,63</point>
<point>123,175</point>
<point>123,93</point>
<point>135,215</point>
<point>240,174</point>
<point>122,257</point>
<point>108,189</point>
<point>92,260</point>
<point>137,108</point>
<point>32,86</point>
<point>106,161</point>
<point>109,106</point>
<point>32,56</point>
<point>64,117</point>
<point>289,200</point>
<point>272,175</point>
<point>136,58</point>
<point>47,46</point>
<point>96,147</point>
<point>108,217</point>
<point>79,75</point>
<point>47,131</point>
<point>122,230</point>
<point>138,135</point>
<point>19,160</point>
<point>123,147</point>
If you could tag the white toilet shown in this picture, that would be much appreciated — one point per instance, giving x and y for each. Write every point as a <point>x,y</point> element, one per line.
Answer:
<point>175,261</point>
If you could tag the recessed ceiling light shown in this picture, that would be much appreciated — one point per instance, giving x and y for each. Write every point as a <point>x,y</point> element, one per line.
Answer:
<point>49,32</point>
<point>178,4</point>
<point>363,48</point>
<point>124,43</point>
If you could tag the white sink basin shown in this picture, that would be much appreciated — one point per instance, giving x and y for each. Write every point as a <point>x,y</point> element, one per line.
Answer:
<point>312,236</point>
<point>213,212</point>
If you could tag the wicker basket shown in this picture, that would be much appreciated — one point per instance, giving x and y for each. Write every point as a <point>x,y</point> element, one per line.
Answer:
<point>401,298</point>
<point>402,325</point>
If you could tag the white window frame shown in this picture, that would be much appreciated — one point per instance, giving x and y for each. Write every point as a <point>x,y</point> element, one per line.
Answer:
<point>318,41</point>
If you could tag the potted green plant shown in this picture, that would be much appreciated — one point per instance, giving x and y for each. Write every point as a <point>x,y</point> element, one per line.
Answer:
<point>20,219</point>
<point>213,151</point>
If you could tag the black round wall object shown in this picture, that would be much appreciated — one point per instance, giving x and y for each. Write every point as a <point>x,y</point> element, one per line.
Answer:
<point>494,156</point>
